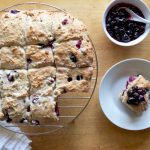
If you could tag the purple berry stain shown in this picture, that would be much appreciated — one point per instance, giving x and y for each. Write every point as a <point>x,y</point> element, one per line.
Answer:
<point>78,45</point>
<point>65,21</point>
<point>14,11</point>
<point>57,109</point>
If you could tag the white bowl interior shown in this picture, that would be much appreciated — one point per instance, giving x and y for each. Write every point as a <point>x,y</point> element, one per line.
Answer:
<point>145,10</point>
<point>111,88</point>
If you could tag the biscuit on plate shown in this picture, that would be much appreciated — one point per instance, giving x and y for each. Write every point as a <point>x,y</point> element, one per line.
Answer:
<point>136,94</point>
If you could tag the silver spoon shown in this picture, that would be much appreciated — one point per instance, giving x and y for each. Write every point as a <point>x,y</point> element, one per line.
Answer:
<point>136,17</point>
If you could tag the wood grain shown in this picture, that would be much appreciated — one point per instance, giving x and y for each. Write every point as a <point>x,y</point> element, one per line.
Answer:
<point>92,131</point>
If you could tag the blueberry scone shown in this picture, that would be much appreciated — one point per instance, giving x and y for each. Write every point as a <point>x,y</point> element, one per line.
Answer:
<point>12,58</point>
<point>42,107</point>
<point>14,94</point>
<point>136,95</point>
<point>74,53</point>
<point>65,27</point>
<point>39,27</point>
<point>14,108</point>
<point>39,56</point>
<point>42,81</point>
<point>15,83</point>
<point>12,28</point>
<point>43,54</point>
<point>72,80</point>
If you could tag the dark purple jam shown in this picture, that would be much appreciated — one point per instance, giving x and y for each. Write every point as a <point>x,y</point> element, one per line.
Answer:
<point>57,109</point>
<point>136,95</point>
<point>119,25</point>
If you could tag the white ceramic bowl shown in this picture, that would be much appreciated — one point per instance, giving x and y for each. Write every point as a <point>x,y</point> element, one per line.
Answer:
<point>112,85</point>
<point>145,10</point>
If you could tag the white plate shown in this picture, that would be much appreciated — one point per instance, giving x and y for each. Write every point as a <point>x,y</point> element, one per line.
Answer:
<point>112,85</point>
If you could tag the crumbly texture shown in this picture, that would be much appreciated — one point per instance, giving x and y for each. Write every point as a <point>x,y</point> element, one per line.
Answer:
<point>42,81</point>
<point>66,27</point>
<point>74,53</point>
<point>38,57</point>
<point>15,83</point>
<point>14,108</point>
<point>12,58</point>
<point>42,107</point>
<point>140,82</point>
<point>39,27</point>
<point>72,80</point>
<point>12,29</point>
<point>13,92</point>
<point>43,55</point>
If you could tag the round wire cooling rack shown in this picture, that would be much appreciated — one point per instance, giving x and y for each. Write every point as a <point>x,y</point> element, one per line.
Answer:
<point>70,105</point>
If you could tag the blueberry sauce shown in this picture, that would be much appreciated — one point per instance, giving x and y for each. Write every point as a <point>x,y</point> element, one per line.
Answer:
<point>119,25</point>
<point>136,95</point>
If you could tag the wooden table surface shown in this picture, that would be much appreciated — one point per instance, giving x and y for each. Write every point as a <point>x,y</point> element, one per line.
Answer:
<point>92,131</point>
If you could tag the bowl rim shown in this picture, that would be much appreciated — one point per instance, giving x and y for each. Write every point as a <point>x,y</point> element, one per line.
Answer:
<point>131,43</point>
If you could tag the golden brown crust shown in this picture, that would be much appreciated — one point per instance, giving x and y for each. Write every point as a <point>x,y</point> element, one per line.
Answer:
<point>14,107</point>
<point>14,83</point>
<point>39,57</point>
<point>73,80</point>
<point>65,27</point>
<point>43,107</point>
<point>42,81</point>
<point>81,49</point>
<point>12,29</point>
<point>12,58</point>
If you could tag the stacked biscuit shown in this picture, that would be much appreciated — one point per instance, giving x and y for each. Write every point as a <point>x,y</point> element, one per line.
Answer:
<point>43,54</point>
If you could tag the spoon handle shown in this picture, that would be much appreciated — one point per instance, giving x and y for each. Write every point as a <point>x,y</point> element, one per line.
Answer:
<point>135,17</point>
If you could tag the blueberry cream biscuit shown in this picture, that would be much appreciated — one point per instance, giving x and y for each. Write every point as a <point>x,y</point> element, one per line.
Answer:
<point>136,95</point>
<point>43,54</point>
